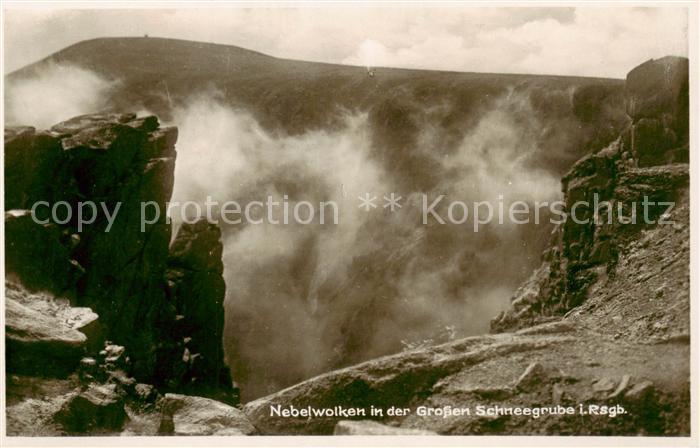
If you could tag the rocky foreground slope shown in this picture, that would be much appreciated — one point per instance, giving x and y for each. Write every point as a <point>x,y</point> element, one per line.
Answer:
<point>120,332</point>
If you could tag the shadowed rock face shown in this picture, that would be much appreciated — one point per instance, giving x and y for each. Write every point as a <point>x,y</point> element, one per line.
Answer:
<point>114,266</point>
<point>658,104</point>
<point>648,160</point>
<point>57,271</point>
<point>196,289</point>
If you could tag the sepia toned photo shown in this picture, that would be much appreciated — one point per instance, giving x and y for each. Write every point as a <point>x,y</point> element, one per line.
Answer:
<point>348,219</point>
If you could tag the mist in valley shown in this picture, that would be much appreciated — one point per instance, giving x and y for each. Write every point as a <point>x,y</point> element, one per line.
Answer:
<point>303,299</point>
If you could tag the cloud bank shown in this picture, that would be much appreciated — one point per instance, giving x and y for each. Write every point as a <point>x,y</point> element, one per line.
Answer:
<point>54,94</point>
<point>304,299</point>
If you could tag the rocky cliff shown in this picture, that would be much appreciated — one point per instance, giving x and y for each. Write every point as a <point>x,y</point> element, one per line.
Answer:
<point>80,274</point>
<point>648,162</point>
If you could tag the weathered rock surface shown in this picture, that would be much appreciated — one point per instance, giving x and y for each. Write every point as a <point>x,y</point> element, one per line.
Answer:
<point>615,182</point>
<point>372,428</point>
<point>43,335</point>
<point>384,382</point>
<point>99,408</point>
<point>119,162</point>
<point>184,415</point>
<point>33,401</point>
<point>658,104</point>
<point>507,370</point>
<point>156,330</point>
<point>196,290</point>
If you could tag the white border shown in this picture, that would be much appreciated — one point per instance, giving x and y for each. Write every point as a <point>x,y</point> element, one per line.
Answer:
<point>398,441</point>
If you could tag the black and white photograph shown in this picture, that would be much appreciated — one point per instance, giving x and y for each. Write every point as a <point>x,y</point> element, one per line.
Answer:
<point>410,221</point>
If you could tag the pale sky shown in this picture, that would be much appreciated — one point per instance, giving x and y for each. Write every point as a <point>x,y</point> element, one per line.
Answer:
<point>584,41</point>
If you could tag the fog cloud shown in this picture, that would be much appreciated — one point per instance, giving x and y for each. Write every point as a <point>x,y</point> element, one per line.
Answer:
<point>303,299</point>
<point>53,94</point>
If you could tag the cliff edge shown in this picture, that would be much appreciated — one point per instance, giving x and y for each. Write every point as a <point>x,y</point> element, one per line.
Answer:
<point>99,301</point>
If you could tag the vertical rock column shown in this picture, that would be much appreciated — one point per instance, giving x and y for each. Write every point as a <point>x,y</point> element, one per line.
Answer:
<point>197,290</point>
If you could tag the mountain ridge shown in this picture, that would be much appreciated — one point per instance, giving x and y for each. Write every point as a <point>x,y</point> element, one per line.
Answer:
<point>122,40</point>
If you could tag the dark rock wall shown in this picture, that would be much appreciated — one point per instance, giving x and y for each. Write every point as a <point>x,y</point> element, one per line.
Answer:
<point>648,160</point>
<point>657,103</point>
<point>196,289</point>
<point>121,273</point>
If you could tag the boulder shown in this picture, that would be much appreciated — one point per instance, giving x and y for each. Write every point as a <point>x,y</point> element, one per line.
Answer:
<point>88,369</point>
<point>145,393</point>
<point>185,415</point>
<point>39,339</point>
<point>372,428</point>
<point>99,408</point>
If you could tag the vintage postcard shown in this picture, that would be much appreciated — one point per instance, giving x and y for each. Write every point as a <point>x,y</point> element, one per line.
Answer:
<point>426,223</point>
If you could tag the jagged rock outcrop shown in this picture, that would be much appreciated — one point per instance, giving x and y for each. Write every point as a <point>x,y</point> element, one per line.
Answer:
<point>196,289</point>
<point>113,261</point>
<point>648,162</point>
<point>117,162</point>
